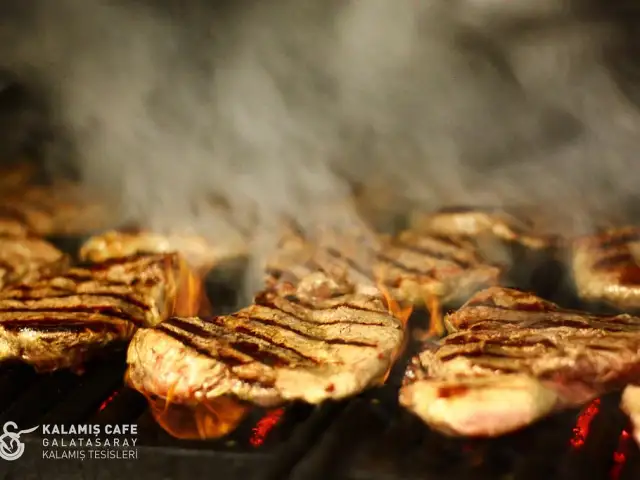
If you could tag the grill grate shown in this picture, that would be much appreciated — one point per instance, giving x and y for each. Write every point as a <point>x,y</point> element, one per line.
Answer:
<point>99,397</point>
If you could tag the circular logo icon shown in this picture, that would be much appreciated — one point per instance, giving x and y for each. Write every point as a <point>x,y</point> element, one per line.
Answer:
<point>11,448</point>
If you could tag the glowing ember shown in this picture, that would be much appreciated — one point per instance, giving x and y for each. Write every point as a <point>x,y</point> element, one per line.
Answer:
<point>109,399</point>
<point>581,430</point>
<point>620,455</point>
<point>264,426</point>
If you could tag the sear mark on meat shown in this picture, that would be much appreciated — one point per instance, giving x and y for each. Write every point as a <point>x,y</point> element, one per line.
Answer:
<point>280,349</point>
<point>59,321</point>
<point>25,259</point>
<point>606,267</point>
<point>199,253</point>
<point>515,358</point>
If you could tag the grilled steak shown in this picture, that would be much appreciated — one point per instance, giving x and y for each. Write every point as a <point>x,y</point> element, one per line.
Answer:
<point>508,237</point>
<point>418,268</point>
<point>52,210</point>
<point>16,176</point>
<point>25,259</point>
<point>631,406</point>
<point>504,224</point>
<point>312,345</point>
<point>412,266</point>
<point>514,359</point>
<point>199,253</point>
<point>606,267</point>
<point>13,227</point>
<point>57,322</point>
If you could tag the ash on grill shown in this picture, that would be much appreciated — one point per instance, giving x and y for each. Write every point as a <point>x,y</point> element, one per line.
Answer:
<point>369,437</point>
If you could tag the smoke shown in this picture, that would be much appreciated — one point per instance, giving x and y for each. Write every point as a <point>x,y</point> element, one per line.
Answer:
<point>275,108</point>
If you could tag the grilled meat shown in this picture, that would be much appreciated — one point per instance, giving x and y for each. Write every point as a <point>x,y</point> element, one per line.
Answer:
<point>504,224</point>
<point>13,227</point>
<point>631,406</point>
<point>514,359</point>
<point>606,267</point>
<point>16,176</point>
<point>312,345</point>
<point>60,209</point>
<point>412,266</point>
<point>198,252</point>
<point>26,259</point>
<point>57,322</point>
<point>418,268</point>
<point>508,237</point>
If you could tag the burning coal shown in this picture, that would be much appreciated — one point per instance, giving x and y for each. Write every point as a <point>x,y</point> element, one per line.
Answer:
<point>227,116</point>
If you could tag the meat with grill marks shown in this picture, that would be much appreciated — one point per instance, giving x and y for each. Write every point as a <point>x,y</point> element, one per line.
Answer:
<point>515,358</point>
<point>312,345</point>
<point>606,267</point>
<point>58,209</point>
<point>417,266</point>
<point>60,321</point>
<point>412,266</point>
<point>200,253</point>
<point>28,258</point>
<point>631,406</point>
<point>511,225</point>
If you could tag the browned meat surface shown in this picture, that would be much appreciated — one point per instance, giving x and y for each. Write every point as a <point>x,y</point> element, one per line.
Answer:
<point>52,210</point>
<point>200,253</point>
<point>57,322</point>
<point>16,176</point>
<point>514,359</point>
<point>606,267</point>
<point>511,225</point>
<point>412,266</point>
<point>13,227</point>
<point>312,345</point>
<point>416,268</point>
<point>28,258</point>
<point>631,406</point>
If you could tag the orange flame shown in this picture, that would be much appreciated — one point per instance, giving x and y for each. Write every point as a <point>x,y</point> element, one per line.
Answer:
<point>394,307</point>
<point>402,314</point>
<point>436,319</point>
<point>209,419</point>
<point>581,430</point>
<point>190,296</point>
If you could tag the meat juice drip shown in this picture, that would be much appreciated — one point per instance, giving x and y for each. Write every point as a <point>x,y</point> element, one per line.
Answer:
<point>265,425</point>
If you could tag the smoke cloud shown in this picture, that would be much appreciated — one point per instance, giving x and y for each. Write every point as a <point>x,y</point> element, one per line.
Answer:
<point>276,108</point>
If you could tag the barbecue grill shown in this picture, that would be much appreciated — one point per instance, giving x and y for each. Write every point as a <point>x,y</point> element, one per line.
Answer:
<point>368,437</point>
